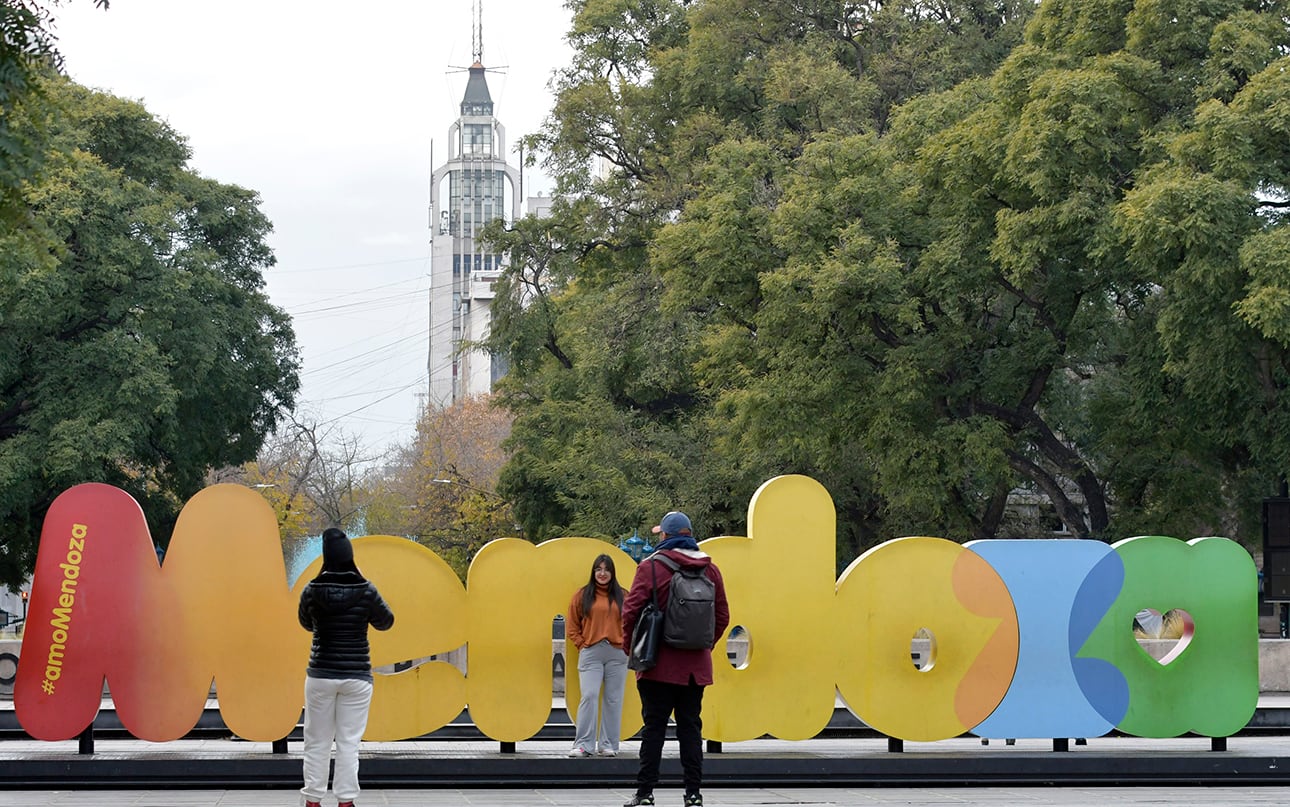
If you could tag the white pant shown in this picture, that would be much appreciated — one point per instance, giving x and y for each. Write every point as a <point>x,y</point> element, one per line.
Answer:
<point>335,710</point>
<point>602,663</point>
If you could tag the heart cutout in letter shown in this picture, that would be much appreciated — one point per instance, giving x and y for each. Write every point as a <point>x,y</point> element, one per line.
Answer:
<point>1164,637</point>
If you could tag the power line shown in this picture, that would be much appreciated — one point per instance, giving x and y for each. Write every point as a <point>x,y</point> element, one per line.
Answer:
<point>418,337</point>
<point>276,270</point>
<point>377,302</point>
<point>370,404</point>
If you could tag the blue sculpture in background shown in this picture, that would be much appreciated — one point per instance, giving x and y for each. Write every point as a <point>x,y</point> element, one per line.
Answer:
<point>636,546</point>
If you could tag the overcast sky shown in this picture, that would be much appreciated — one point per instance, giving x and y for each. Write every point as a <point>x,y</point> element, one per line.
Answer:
<point>327,109</point>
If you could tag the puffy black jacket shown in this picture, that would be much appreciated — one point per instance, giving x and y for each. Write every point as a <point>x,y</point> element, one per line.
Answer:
<point>338,607</point>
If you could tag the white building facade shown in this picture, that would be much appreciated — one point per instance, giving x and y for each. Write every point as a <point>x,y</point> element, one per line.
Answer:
<point>474,187</point>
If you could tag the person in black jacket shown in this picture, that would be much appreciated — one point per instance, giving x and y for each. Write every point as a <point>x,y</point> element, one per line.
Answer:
<point>337,606</point>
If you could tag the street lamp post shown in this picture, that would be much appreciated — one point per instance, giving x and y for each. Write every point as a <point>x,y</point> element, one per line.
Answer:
<point>467,486</point>
<point>636,547</point>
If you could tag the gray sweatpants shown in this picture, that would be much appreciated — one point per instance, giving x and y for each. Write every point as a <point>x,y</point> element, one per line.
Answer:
<point>601,666</point>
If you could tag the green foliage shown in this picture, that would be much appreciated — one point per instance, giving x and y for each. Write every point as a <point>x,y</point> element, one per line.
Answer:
<point>27,51</point>
<point>139,346</point>
<point>898,248</point>
<point>633,315</point>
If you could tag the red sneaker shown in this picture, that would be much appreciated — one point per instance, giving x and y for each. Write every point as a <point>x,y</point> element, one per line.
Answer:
<point>312,804</point>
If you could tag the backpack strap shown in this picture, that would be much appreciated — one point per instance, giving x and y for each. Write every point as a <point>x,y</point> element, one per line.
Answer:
<point>653,589</point>
<point>666,561</point>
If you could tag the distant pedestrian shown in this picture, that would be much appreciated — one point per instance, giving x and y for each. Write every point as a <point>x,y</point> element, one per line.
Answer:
<point>675,684</point>
<point>595,626</point>
<point>338,605</point>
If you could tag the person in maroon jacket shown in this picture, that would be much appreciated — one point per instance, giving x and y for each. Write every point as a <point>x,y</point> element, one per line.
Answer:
<point>675,684</point>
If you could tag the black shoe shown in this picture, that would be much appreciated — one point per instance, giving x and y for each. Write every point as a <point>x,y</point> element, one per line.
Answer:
<point>641,801</point>
<point>693,800</point>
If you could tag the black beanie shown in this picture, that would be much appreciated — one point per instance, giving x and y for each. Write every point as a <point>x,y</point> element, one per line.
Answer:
<point>337,552</point>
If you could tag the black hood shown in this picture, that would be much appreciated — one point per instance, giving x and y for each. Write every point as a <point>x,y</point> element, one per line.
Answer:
<point>338,558</point>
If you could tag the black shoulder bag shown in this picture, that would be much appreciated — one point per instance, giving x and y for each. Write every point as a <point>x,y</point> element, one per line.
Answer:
<point>648,632</point>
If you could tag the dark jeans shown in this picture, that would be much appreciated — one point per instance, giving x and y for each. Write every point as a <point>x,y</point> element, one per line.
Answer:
<point>658,702</point>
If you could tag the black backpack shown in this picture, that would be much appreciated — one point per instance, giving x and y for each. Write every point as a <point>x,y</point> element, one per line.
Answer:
<point>690,618</point>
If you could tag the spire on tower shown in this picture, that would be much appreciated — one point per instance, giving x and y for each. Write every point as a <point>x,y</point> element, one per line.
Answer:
<point>477,31</point>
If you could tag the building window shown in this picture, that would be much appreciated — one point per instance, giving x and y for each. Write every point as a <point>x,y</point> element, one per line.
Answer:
<point>477,140</point>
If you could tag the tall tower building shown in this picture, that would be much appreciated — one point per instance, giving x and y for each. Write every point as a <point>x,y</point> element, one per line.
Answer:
<point>472,188</point>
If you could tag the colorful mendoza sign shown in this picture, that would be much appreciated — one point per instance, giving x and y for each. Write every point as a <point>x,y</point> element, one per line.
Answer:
<point>1032,638</point>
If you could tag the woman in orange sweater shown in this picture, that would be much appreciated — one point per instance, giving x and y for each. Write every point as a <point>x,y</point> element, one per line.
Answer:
<point>595,626</point>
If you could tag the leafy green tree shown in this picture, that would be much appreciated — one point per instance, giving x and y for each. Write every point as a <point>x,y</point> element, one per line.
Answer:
<point>1206,221</point>
<point>138,345</point>
<point>631,316</point>
<point>27,50</point>
<point>982,300</point>
<point>906,250</point>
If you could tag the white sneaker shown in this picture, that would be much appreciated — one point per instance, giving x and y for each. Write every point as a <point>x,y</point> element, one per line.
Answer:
<point>607,752</point>
<point>578,751</point>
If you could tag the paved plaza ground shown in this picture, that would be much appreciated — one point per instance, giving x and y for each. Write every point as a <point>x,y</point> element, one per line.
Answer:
<point>763,797</point>
<point>1253,769</point>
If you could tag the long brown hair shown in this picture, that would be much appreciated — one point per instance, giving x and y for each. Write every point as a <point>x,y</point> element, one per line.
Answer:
<point>589,590</point>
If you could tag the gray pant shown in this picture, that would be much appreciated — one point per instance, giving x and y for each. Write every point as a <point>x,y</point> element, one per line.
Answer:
<point>602,663</point>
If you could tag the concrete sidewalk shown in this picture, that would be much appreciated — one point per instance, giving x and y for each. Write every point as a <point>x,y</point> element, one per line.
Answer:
<point>754,797</point>
<point>448,763</point>
<point>436,766</point>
